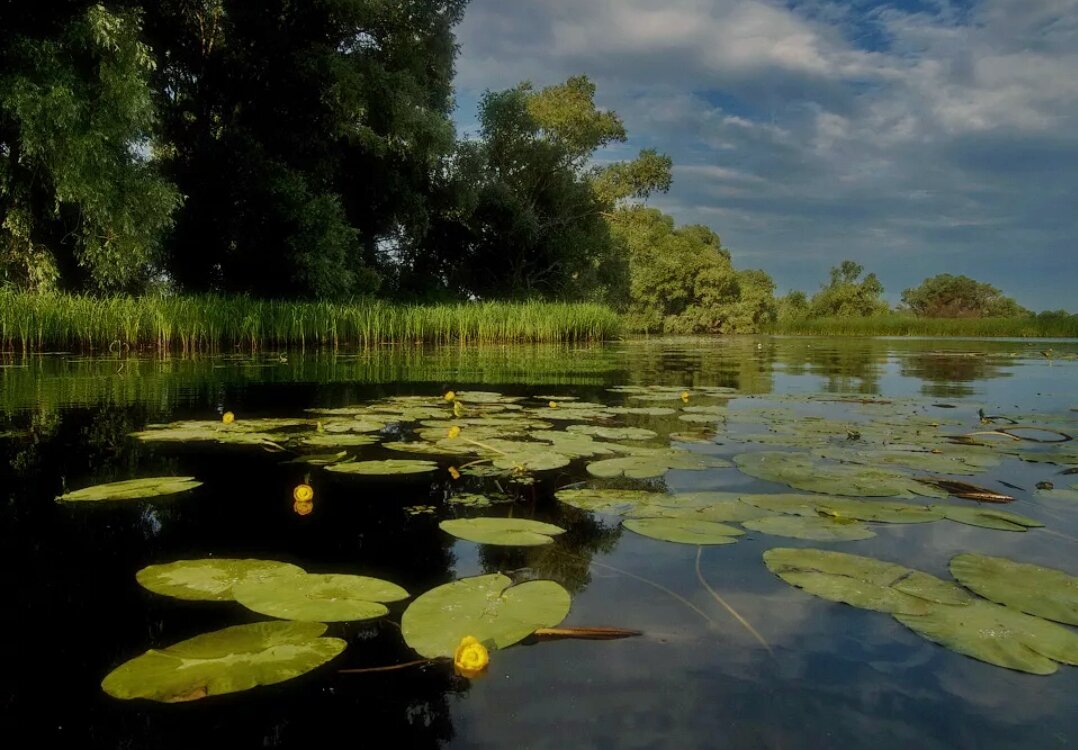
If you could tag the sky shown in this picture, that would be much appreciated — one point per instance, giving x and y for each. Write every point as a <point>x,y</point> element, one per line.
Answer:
<point>915,137</point>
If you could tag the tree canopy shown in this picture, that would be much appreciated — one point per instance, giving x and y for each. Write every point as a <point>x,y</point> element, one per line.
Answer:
<point>948,296</point>
<point>847,295</point>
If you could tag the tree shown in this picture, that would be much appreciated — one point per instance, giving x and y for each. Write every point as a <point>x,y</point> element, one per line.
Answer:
<point>792,305</point>
<point>83,204</point>
<point>947,296</point>
<point>847,295</point>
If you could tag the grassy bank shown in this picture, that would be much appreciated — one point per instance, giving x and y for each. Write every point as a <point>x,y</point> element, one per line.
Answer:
<point>211,323</point>
<point>907,325</point>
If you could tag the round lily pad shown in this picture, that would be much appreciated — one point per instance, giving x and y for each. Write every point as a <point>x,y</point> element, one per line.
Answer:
<point>338,439</point>
<point>801,471</point>
<point>1034,589</point>
<point>807,527</point>
<point>224,661</point>
<point>704,506</point>
<point>997,635</point>
<point>508,532</point>
<point>388,467</point>
<point>988,518</point>
<point>354,425</point>
<point>312,597</point>
<point>131,489</point>
<point>487,608</point>
<point>649,466</point>
<point>532,459</point>
<point>210,579</point>
<point>612,433</point>
<point>862,582</point>
<point>684,530</point>
<point>615,502</point>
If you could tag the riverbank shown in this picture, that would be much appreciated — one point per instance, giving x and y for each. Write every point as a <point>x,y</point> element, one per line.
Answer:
<point>1039,326</point>
<point>61,322</point>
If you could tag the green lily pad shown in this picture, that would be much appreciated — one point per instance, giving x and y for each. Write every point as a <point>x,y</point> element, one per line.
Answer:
<point>471,500</point>
<point>881,511</point>
<point>646,411</point>
<point>648,466</point>
<point>389,467</point>
<point>612,433</point>
<point>225,661</point>
<point>532,459</point>
<point>614,502</point>
<point>574,445</point>
<point>485,397</point>
<point>807,527</point>
<point>313,597</point>
<point>430,449</point>
<point>704,506</point>
<point>131,489</point>
<point>319,459</point>
<point>997,635</point>
<point>485,607</point>
<point>684,530</point>
<point>988,518</point>
<point>944,461</point>
<point>354,425</point>
<point>1034,589</point>
<point>862,582</point>
<point>337,440</point>
<point>509,532</point>
<point>801,471</point>
<point>210,579</point>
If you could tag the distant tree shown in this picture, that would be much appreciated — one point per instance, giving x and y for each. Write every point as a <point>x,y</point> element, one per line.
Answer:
<point>947,296</point>
<point>847,295</point>
<point>792,305</point>
<point>82,204</point>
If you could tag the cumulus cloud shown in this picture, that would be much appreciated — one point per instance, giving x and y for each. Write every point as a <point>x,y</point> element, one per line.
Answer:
<point>916,137</point>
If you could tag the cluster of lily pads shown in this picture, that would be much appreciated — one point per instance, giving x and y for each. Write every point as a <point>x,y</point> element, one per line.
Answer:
<point>843,468</point>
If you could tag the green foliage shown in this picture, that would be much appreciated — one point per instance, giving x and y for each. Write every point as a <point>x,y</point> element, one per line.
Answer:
<point>899,324</point>
<point>82,198</point>
<point>947,296</point>
<point>847,295</point>
<point>681,280</point>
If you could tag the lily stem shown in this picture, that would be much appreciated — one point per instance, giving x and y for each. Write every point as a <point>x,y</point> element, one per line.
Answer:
<point>737,616</point>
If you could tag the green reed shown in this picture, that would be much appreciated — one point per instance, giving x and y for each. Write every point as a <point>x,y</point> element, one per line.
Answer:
<point>30,322</point>
<point>907,325</point>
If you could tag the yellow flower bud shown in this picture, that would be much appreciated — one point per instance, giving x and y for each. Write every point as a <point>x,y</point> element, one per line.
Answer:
<point>553,404</point>
<point>303,493</point>
<point>458,410</point>
<point>454,472</point>
<point>454,431</point>
<point>228,417</point>
<point>450,396</point>
<point>684,395</point>
<point>303,507</point>
<point>471,657</point>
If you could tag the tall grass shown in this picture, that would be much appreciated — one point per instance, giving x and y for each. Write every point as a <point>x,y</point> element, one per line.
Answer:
<point>30,322</point>
<point>908,325</point>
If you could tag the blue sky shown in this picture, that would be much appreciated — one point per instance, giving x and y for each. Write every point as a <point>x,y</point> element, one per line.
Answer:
<point>916,137</point>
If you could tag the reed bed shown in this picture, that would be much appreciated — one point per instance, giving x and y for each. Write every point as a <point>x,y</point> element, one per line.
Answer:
<point>907,325</point>
<point>188,324</point>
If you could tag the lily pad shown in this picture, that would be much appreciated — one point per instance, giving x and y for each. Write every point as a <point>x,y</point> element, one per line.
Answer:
<point>487,608</point>
<point>131,489</point>
<point>615,502</point>
<point>988,518</point>
<point>997,635</point>
<point>648,466</point>
<point>704,506</point>
<point>533,459</point>
<point>807,527</point>
<point>210,579</point>
<point>801,471</point>
<point>224,661</point>
<point>388,467</point>
<point>1034,589</point>
<point>508,532</point>
<point>612,433</point>
<point>313,597</point>
<point>862,582</point>
<point>354,425</point>
<point>337,440</point>
<point>684,530</point>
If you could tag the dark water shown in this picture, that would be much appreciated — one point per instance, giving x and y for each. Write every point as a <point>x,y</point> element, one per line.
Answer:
<point>836,677</point>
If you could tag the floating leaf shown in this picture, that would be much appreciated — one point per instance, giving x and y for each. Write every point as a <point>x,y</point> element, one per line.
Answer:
<point>485,397</point>
<point>485,607</point>
<point>509,532</point>
<point>313,597</point>
<point>616,502</point>
<point>684,530</point>
<point>388,467</point>
<point>704,506</point>
<point>335,440</point>
<point>354,425</point>
<point>862,581</point>
<point>966,491</point>
<point>988,518</point>
<point>225,661</point>
<point>575,445</point>
<point>470,500</point>
<point>1034,589</point>
<point>882,511</point>
<point>997,635</point>
<point>950,461</point>
<point>533,459</point>
<point>801,471</point>
<point>648,466</point>
<point>612,433</point>
<point>210,579</point>
<point>131,489</point>
<point>808,527</point>
<point>432,449</point>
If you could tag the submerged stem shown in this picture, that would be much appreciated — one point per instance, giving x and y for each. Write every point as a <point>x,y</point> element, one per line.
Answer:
<point>389,668</point>
<point>737,616</point>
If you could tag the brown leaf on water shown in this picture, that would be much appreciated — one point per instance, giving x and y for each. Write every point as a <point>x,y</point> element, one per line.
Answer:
<point>584,633</point>
<point>197,694</point>
<point>966,491</point>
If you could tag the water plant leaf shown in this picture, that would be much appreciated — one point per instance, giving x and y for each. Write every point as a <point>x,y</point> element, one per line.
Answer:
<point>965,490</point>
<point>209,579</point>
<point>684,530</point>
<point>486,607</point>
<point>862,582</point>
<point>574,445</point>
<point>471,500</point>
<point>388,467</point>
<point>612,433</point>
<point>131,489</point>
<point>531,459</point>
<point>507,532</point>
<point>808,527</point>
<point>988,518</point>
<point>224,661</point>
<point>612,501</point>
<point>485,397</point>
<point>337,440</point>
<point>704,506</point>
<point>318,597</point>
<point>432,449</point>
<point>801,471</point>
<point>950,461</point>
<point>1034,589</point>
<point>353,425</point>
<point>647,466</point>
<point>997,635</point>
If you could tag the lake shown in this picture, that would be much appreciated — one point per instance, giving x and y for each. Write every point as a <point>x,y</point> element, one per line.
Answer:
<point>729,653</point>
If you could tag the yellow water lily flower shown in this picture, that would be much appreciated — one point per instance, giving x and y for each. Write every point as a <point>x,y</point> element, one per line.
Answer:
<point>553,404</point>
<point>228,417</point>
<point>303,507</point>
<point>454,472</point>
<point>458,410</point>
<point>471,657</point>
<point>454,431</point>
<point>684,395</point>
<point>450,396</point>
<point>303,493</point>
